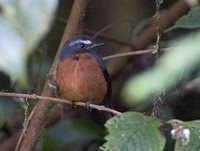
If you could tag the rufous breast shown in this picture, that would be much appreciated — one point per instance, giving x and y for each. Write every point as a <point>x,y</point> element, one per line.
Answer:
<point>80,78</point>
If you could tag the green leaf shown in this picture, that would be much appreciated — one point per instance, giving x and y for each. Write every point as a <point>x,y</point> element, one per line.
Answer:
<point>189,21</point>
<point>72,135</point>
<point>23,24</point>
<point>194,137</point>
<point>176,64</point>
<point>133,131</point>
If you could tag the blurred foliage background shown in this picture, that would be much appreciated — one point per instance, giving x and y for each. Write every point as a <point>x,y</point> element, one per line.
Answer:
<point>25,59</point>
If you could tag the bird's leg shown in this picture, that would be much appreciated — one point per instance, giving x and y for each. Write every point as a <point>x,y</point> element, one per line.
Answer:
<point>87,105</point>
<point>73,104</point>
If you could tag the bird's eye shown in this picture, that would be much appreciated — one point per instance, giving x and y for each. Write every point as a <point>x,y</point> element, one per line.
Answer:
<point>82,45</point>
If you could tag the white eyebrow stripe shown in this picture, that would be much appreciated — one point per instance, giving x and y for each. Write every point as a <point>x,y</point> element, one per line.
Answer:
<point>80,41</point>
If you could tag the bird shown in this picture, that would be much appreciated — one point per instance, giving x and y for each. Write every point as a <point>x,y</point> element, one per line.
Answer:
<point>81,73</point>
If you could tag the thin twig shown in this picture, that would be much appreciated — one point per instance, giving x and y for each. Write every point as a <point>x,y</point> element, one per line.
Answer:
<point>38,97</point>
<point>109,26</point>
<point>143,40</point>
<point>102,35</point>
<point>158,101</point>
<point>108,38</point>
<point>148,35</point>
<point>125,54</point>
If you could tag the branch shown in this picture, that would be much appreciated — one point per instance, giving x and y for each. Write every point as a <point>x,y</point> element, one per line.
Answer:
<point>171,15</point>
<point>10,143</point>
<point>125,54</point>
<point>37,118</point>
<point>168,18</point>
<point>109,26</point>
<point>38,97</point>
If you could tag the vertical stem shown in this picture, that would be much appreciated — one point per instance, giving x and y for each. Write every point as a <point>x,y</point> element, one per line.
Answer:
<point>37,119</point>
<point>158,102</point>
<point>157,24</point>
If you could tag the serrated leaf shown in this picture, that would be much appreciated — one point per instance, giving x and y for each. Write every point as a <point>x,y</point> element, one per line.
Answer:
<point>189,21</point>
<point>133,131</point>
<point>23,24</point>
<point>194,139</point>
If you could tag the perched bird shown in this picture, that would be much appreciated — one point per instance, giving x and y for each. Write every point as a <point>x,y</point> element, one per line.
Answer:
<point>81,73</point>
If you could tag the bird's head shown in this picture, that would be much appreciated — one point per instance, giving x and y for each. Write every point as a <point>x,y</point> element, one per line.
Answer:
<point>78,44</point>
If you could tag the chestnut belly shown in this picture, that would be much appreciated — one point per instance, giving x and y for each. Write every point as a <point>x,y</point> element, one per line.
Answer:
<point>80,78</point>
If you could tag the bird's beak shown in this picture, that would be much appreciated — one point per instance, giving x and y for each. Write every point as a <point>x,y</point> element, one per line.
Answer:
<point>95,45</point>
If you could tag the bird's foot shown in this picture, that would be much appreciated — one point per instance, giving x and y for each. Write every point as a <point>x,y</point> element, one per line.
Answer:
<point>87,105</point>
<point>73,104</point>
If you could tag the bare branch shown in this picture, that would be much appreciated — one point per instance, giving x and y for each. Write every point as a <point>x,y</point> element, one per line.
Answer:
<point>38,97</point>
<point>168,18</point>
<point>147,36</point>
<point>125,54</point>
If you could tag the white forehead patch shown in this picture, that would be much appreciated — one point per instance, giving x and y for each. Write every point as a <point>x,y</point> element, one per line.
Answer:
<point>87,42</point>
